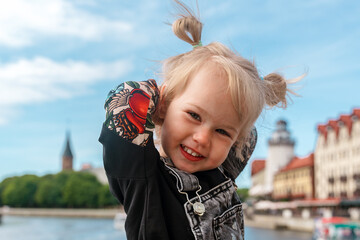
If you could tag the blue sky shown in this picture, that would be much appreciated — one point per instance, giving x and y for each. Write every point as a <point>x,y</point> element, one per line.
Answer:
<point>59,59</point>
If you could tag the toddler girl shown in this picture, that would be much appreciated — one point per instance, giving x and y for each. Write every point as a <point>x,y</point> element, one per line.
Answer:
<point>205,111</point>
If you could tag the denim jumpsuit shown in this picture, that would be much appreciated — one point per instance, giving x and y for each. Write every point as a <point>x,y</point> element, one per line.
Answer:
<point>223,216</point>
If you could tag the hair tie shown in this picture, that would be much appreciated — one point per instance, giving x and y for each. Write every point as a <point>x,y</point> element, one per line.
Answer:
<point>197,45</point>
<point>262,78</point>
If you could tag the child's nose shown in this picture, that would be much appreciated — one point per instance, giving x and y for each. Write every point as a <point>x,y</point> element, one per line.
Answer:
<point>202,136</point>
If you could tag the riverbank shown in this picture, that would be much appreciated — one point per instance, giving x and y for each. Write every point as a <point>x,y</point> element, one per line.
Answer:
<point>62,212</point>
<point>279,222</point>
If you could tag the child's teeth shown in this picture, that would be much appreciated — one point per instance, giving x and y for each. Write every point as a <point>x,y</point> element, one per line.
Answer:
<point>190,152</point>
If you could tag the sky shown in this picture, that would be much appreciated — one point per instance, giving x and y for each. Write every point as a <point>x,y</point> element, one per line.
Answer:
<point>60,58</point>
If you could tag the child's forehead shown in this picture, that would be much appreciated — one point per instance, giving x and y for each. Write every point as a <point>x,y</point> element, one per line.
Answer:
<point>208,80</point>
<point>209,93</point>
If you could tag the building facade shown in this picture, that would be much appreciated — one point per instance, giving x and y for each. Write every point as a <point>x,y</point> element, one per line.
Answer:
<point>295,180</point>
<point>98,172</point>
<point>257,178</point>
<point>337,158</point>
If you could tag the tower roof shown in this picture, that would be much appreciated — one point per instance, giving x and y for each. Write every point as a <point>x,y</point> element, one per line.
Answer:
<point>67,151</point>
<point>281,136</point>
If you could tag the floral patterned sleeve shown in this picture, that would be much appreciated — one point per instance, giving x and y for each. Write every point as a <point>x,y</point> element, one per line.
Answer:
<point>128,110</point>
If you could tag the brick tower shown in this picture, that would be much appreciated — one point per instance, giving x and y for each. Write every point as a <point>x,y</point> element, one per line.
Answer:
<point>67,157</point>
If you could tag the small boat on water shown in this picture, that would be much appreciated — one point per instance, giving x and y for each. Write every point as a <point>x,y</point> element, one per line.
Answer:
<point>119,221</point>
<point>336,228</point>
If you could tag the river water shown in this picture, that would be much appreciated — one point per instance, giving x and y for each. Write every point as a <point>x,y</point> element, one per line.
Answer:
<point>41,228</point>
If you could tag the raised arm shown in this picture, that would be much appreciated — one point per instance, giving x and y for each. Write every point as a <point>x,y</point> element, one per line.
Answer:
<point>129,108</point>
<point>130,157</point>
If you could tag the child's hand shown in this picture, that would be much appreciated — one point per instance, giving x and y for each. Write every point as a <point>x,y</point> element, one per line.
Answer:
<point>129,108</point>
<point>118,100</point>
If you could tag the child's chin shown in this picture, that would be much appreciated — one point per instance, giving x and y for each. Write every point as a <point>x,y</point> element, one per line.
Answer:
<point>185,168</point>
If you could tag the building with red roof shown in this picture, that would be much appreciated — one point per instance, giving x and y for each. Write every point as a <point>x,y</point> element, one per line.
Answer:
<point>257,177</point>
<point>295,180</point>
<point>337,157</point>
<point>257,166</point>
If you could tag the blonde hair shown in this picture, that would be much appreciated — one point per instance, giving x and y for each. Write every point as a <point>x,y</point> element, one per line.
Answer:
<point>250,93</point>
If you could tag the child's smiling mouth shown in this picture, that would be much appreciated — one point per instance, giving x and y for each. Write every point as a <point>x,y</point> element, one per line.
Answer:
<point>190,154</point>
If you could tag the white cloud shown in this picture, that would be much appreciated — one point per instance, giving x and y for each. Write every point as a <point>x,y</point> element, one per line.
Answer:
<point>40,79</point>
<point>3,120</point>
<point>22,21</point>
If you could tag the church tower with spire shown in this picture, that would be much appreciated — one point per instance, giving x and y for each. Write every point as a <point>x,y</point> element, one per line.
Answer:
<point>67,157</point>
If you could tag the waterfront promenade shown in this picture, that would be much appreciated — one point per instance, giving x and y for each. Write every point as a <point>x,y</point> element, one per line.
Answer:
<point>278,222</point>
<point>61,212</point>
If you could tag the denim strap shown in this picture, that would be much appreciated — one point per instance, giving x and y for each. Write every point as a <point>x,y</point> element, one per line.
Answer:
<point>185,182</point>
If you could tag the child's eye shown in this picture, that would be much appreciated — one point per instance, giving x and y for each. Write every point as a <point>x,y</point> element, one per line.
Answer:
<point>194,116</point>
<point>223,132</point>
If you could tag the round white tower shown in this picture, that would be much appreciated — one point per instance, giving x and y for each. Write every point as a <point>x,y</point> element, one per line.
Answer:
<point>281,151</point>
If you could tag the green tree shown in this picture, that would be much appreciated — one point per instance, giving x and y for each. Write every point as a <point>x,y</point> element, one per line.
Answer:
<point>50,190</point>
<point>3,185</point>
<point>106,199</point>
<point>81,190</point>
<point>62,177</point>
<point>243,193</point>
<point>65,189</point>
<point>48,193</point>
<point>20,191</point>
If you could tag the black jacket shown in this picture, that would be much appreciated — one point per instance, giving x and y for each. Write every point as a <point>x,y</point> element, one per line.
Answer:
<point>140,181</point>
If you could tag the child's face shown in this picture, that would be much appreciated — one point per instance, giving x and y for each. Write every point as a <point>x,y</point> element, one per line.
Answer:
<point>201,124</point>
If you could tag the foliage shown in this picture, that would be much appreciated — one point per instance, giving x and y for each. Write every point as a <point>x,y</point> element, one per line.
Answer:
<point>3,185</point>
<point>106,198</point>
<point>20,191</point>
<point>81,190</point>
<point>49,193</point>
<point>65,189</point>
<point>243,193</point>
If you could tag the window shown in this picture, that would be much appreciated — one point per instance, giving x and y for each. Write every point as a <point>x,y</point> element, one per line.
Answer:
<point>343,178</point>
<point>357,192</point>
<point>343,194</point>
<point>356,176</point>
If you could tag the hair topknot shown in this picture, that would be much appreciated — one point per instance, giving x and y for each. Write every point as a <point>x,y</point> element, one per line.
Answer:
<point>187,25</point>
<point>276,90</point>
